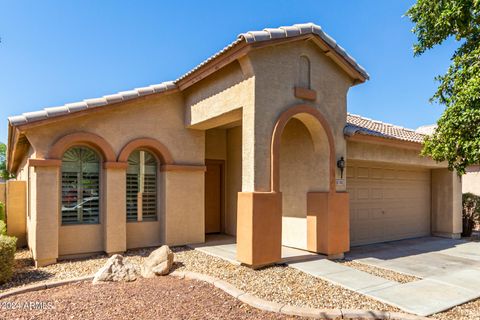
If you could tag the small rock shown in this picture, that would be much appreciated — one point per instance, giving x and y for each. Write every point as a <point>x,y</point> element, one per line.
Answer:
<point>158,263</point>
<point>116,269</point>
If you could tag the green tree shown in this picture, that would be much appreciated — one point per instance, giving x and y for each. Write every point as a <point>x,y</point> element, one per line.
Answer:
<point>3,162</point>
<point>457,138</point>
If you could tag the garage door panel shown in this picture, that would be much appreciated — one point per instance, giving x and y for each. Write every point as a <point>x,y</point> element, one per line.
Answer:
<point>377,193</point>
<point>387,203</point>
<point>363,194</point>
<point>376,173</point>
<point>362,172</point>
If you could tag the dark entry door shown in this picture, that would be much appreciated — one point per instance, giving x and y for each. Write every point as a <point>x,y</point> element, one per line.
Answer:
<point>214,195</point>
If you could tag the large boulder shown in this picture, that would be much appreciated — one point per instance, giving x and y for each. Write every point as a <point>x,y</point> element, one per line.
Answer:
<point>117,269</point>
<point>158,263</point>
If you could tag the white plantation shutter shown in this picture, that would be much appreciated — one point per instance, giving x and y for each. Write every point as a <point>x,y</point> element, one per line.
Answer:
<point>141,187</point>
<point>80,186</point>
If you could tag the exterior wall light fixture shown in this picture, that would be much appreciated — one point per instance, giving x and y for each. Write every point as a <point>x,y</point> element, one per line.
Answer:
<point>341,166</point>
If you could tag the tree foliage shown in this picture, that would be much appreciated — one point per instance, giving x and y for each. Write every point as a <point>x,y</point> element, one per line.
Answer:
<point>457,138</point>
<point>3,162</point>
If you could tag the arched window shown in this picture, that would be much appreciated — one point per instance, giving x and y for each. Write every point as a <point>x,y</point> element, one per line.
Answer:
<point>80,186</point>
<point>141,186</point>
<point>304,72</point>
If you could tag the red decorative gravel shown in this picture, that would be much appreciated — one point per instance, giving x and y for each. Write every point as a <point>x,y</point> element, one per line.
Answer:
<point>158,298</point>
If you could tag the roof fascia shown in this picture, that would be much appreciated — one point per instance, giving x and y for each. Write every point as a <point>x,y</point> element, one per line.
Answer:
<point>396,143</point>
<point>81,113</point>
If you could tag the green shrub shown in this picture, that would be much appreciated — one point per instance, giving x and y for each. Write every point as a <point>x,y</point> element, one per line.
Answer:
<point>2,211</point>
<point>470,213</point>
<point>3,228</point>
<point>8,245</point>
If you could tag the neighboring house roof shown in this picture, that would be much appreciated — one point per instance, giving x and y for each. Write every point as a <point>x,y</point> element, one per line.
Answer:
<point>250,37</point>
<point>360,125</point>
<point>427,129</point>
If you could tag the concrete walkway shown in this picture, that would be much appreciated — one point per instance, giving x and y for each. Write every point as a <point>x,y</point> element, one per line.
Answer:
<point>449,270</point>
<point>225,247</point>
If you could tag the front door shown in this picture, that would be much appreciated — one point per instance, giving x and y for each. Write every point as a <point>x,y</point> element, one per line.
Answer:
<point>214,195</point>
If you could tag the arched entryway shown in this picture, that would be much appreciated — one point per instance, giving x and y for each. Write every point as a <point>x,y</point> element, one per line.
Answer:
<point>302,162</point>
<point>304,168</point>
<point>259,237</point>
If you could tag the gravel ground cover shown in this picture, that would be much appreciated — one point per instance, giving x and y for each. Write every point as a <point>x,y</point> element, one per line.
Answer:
<point>158,298</point>
<point>26,273</point>
<point>466,311</point>
<point>384,273</point>
<point>278,283</point>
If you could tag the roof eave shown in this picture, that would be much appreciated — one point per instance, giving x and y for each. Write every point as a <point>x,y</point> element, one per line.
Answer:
<point>392,142</point>
<point>13,153</point>
<point>40,122</point>
<point>242,48</point>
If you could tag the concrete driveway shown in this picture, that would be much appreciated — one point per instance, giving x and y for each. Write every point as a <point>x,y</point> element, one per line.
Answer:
<point>449,269</point>
<point>421,257</point>
<point>449,272</point>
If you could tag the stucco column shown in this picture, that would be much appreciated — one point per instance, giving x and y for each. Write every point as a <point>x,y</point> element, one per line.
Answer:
<point>114,202</point>
<point>446,203</point>
<point>259,211</point>
<point>328,223</point>
<point>44,214</point>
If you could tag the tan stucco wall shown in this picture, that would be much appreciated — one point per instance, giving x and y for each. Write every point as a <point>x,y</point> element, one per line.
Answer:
<point>16,210</point>
<point>234,177</point>
<point>22,172</point>
<point>144,234</point>
<point>158,117</point>
<point>471,183</point>
<point>2,192</point>
<point>276,73</point>
<point>31,208</point>
<point>388,154</point>
<point>23,175</point>
<point>44,208</point>
<point>114,204</point>
<point>79,239</point>
<point>184,207</point>
<point>302,169</point>
<point>216,144</point>
<point>446,203</point>
<point>219,99</point>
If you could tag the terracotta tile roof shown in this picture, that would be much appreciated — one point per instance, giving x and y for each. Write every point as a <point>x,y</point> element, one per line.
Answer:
<point>282,33</point>
<point>248,37</point>
<point>426,129</point>
<point>360,125</point>
<point>89,103</point>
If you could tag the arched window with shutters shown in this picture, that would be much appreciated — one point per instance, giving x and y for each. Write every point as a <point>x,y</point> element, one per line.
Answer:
<point>80,186</point>
<point>141,186</point>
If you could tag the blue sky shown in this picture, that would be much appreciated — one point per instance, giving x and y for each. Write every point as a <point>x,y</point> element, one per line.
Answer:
<point>56,52</point>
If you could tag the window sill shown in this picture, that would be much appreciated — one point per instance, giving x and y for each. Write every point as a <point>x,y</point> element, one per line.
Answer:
<point>135,221</point>
<point>80,224</point>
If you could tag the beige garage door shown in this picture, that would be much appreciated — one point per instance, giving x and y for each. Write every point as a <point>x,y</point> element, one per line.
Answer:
<point>387,203</point>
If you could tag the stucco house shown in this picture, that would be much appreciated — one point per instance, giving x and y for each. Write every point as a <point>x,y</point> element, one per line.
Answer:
<point>254,142</point>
